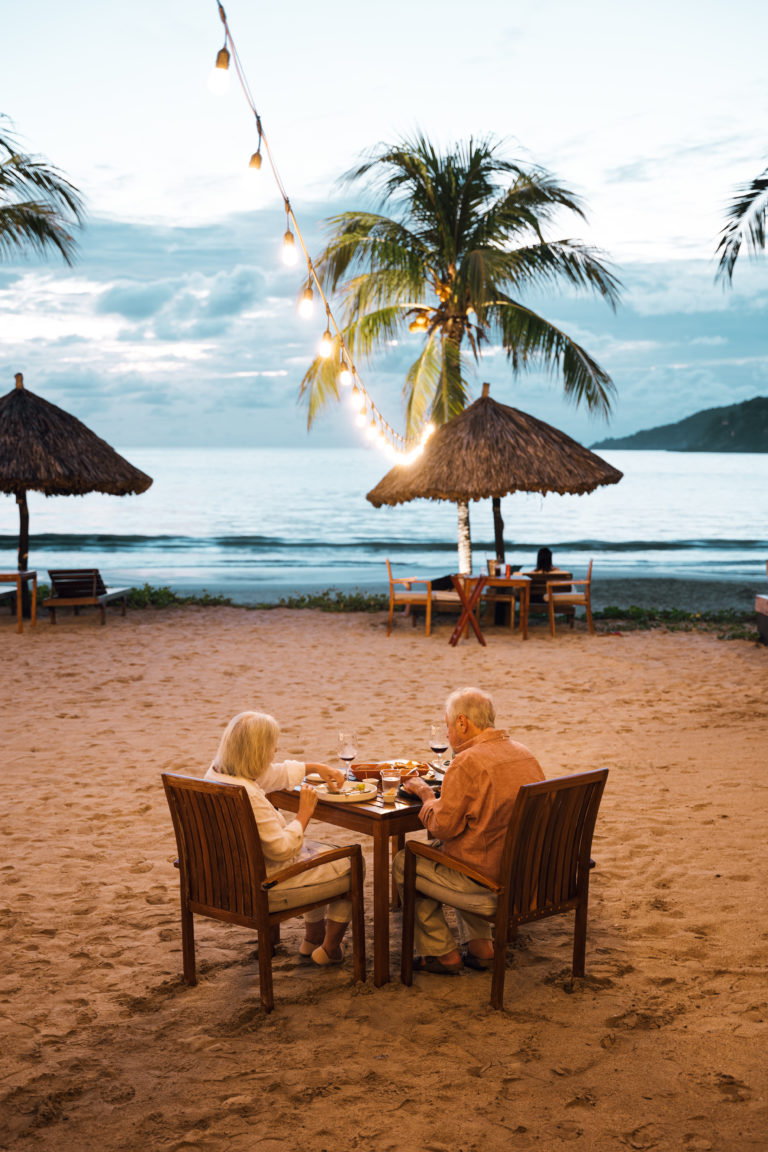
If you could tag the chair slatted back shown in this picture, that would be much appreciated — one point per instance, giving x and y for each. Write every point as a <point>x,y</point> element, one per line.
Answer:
<point>220,854</point>
<point>74,582</point>
<point>547,849</point>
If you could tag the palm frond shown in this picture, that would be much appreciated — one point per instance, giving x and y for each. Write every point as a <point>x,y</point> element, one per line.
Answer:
<point>531,341</point>
<point>421,383</point>
<point>746,223</point>
<point>39,207</point>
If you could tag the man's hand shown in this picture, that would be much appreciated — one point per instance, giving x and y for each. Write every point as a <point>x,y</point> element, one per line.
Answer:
<point>416,786</point>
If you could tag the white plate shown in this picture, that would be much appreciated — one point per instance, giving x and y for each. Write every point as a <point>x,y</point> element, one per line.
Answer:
<point>314,778</point>
<point>349,794</point>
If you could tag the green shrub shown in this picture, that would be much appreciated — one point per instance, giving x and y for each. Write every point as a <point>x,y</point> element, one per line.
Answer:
<point>729,623</point>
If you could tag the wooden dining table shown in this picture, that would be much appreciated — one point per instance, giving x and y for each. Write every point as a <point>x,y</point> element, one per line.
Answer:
<point>387,825</point>
<point>470,590</point>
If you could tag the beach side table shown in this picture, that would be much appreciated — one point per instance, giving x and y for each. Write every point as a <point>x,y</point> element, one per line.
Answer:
<point>19,579</point>
<point>470,591</point>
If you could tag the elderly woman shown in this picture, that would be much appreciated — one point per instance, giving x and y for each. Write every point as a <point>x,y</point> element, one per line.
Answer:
<point>245,757</point>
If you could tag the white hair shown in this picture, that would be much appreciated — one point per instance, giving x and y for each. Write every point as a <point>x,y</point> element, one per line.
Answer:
<point>248,745</point>
<point>477,706</point>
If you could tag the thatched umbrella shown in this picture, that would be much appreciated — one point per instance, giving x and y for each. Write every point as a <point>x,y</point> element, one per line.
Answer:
<point>490,450</point>
<point>45,449</point>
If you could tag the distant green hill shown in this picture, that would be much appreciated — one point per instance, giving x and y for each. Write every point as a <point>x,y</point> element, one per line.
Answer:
<point>736,428</point>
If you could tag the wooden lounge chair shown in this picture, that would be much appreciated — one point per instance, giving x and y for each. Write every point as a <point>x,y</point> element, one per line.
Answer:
<point>222,873</point>
<point>78,588</point>
<point>410,599</point>
<point>544,871</point>
<point>560,601</point>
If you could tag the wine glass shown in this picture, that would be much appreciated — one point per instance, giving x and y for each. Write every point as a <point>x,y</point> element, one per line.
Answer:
<point>438,742</point>
<point>347,748</point>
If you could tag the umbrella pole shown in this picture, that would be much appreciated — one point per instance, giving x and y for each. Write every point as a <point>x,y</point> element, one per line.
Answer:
<point>23,556</point>
<point>465,538</point>
<point>498,528</point>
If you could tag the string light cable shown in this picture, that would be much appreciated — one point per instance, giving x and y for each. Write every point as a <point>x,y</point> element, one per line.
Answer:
<point>378,430</point>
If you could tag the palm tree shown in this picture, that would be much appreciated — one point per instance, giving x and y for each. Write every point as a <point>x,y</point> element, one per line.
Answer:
<point>746,222</point>
<point>464,240</point>
<point>38,206</point>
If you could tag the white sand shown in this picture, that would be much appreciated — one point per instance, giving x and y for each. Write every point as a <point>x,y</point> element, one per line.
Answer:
<point>662,1044</point>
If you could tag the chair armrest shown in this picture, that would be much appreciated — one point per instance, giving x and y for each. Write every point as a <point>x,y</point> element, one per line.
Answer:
<point>565,583</point>
<point>430,853</point>
<point>411,580</point>
<point>350,852</point>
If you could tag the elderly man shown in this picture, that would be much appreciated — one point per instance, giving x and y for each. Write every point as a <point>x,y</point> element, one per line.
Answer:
<point>470,822</point>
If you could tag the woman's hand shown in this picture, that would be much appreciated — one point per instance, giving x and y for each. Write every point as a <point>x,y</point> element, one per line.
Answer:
<point>307,804</point>
<point>329,775</point>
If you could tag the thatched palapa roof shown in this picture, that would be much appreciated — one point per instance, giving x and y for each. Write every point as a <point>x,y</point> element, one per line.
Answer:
<point>45,449</point>
<point>490,449</point>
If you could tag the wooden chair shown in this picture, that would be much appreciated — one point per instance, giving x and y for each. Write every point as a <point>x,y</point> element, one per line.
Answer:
<point>408,598</point>
<point>80,587</point>
<point>563,600</point>
<point>223,874</point>
<point>544,871</point>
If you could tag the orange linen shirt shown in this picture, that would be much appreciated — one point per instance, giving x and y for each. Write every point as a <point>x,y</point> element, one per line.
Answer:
<point>479,791</point>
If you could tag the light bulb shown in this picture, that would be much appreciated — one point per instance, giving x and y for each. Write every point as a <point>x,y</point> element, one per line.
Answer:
<point>218,80</point>
<point>255,160</point>
<point>326,344</point>
<point>345,376</point>
<point>306,303</point>
<point>290,255</point>
<point>356,401</point>
<point>371,431</point>
<point>361,419</point>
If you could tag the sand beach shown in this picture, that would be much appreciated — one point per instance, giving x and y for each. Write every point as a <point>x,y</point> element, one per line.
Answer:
<point>660,1046</point>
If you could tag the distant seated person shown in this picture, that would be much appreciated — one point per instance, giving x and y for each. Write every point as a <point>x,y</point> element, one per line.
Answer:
<point>544,568</point>
<point>245,757</point>
<point>469,823</point>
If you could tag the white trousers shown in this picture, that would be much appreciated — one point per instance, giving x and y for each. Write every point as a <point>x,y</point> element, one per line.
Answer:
<point>326,881</point>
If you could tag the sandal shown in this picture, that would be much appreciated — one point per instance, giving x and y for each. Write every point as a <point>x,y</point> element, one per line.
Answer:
<point>306,957</point>
<point>435,965</point>
<point>477,963</point>
<point>321,958</point>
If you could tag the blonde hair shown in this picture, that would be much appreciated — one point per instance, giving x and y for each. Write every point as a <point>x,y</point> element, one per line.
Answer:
<point>477,706</point>
<point>248,745</point>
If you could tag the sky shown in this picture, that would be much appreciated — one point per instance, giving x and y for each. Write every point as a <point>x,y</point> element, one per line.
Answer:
<point>178,323</point>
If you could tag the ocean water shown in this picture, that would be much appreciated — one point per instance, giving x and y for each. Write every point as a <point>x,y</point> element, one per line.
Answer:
<point>258,524</point>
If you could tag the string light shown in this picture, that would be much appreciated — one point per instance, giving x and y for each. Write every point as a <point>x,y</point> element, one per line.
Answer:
<point>307,303</point>
<point>378,430</point>
<point>345,376</point>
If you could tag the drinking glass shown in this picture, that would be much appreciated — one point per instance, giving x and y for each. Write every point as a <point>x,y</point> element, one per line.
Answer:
<point>438,742</point>
<point>347,748</point>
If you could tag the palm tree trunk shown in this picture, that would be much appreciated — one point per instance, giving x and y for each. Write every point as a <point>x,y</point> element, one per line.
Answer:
<point>465,538</point>
<point>498,528</point>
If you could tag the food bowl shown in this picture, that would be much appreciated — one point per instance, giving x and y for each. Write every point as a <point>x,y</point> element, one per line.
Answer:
<point>407,767</point>
<point>373,771</point>
<point>366,771</point>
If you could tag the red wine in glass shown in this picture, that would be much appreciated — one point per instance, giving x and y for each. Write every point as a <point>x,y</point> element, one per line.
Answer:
<point>438,741</point>
<point>347,749</point>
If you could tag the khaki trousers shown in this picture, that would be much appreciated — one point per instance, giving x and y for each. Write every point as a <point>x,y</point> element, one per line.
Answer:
<point>437,885</point>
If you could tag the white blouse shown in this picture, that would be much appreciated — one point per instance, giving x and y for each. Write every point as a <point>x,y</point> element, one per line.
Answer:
<point>281,839</point>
